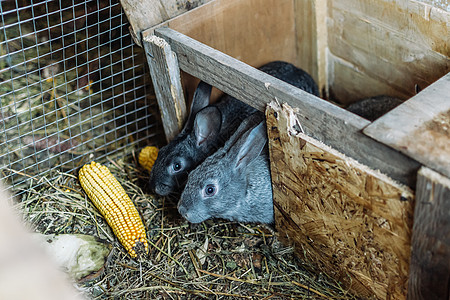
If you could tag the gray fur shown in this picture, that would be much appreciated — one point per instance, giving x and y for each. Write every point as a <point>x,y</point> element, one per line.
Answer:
<point>374,107</point>
<point>192,145</point>
<point>292,75</point>
<point>240,175</point>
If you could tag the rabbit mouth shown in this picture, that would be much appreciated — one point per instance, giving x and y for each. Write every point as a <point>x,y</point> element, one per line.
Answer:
<point>191,216</point>
<point>194,218</point>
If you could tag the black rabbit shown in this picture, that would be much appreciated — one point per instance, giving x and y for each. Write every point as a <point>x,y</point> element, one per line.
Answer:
<point>374,107</point>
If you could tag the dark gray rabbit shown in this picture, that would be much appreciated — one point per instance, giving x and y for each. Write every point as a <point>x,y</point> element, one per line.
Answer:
<point>209,126</point>
<point>374,107</point>
<point>233,183</point>
<point>291,74</point>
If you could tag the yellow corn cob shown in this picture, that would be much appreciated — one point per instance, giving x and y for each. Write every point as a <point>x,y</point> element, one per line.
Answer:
<point>147,157</point>
<point>114,204</point>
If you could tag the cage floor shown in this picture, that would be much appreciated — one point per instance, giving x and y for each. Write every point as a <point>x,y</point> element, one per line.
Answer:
<point>216,258</point>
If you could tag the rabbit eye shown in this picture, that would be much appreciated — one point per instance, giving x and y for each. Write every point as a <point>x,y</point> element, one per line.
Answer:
<point>210,190</point>
<point>176,167</point>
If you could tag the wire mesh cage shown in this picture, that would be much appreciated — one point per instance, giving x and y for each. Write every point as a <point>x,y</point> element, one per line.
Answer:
<point>73,87</point>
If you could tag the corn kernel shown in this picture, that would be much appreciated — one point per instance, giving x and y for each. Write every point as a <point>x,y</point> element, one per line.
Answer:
<point>147,157</point>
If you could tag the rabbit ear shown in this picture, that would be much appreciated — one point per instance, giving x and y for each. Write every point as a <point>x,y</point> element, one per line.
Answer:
<point>207,124</point>
<point>248,147</point>
<point>199,101</point>
<point>247,124</point>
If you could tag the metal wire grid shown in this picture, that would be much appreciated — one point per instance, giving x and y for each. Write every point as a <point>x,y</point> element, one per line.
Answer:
<point>73,88</point>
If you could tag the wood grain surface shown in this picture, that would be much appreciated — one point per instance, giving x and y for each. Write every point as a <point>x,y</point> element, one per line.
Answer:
<point>352,222</point>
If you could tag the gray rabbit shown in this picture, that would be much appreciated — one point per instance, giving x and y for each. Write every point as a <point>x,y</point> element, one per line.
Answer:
<point>234,183</point>
<point>209,126</point>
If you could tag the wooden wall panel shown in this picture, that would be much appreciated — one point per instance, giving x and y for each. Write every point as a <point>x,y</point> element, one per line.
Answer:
<point>352,222</point>
<point>311,39</point>
<point>397,43</point>
<point>253,31</point>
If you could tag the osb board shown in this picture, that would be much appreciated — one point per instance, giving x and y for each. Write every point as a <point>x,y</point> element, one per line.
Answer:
<point>385,47</point>
<point>253,31</point>
<point>352,222</point>
<point>420,127</point>
<point>143,14</point>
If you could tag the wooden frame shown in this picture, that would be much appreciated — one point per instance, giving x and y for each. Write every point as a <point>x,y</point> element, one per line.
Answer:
<point>430,255</point>
<point>328,51</point>
<point>339,128</point>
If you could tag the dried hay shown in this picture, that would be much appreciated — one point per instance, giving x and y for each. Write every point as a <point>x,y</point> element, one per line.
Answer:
<point>216,258</point>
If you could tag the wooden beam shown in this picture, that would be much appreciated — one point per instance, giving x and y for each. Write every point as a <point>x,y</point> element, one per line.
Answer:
<point>320,119</point>
<point>430,257</point>
<point>311,39</point>
<point>420,127</point>
<point>165,75</point>
<point>143,14</point>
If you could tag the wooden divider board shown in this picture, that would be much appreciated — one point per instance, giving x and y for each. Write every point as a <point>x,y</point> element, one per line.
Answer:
<point>420,127</point>
<point>352,222</point>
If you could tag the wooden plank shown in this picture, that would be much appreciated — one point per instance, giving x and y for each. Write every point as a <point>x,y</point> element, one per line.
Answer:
<point>430,257</point>
<point>320,119</point>
<point>165,75</point>
<point>437,3</point>
<point>311,39</point>
<point>143,14</point>
<point>420,127</point>
<point>352,222</point>
<point>396,43</point>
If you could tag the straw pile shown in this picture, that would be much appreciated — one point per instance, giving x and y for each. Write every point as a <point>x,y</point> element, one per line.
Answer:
<point>216,258</point>
<point>44,94</point>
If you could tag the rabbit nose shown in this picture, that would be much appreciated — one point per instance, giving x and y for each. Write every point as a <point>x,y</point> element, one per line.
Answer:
<point>162,189</point>
<point>181,209</point>
<point>158,190</point>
